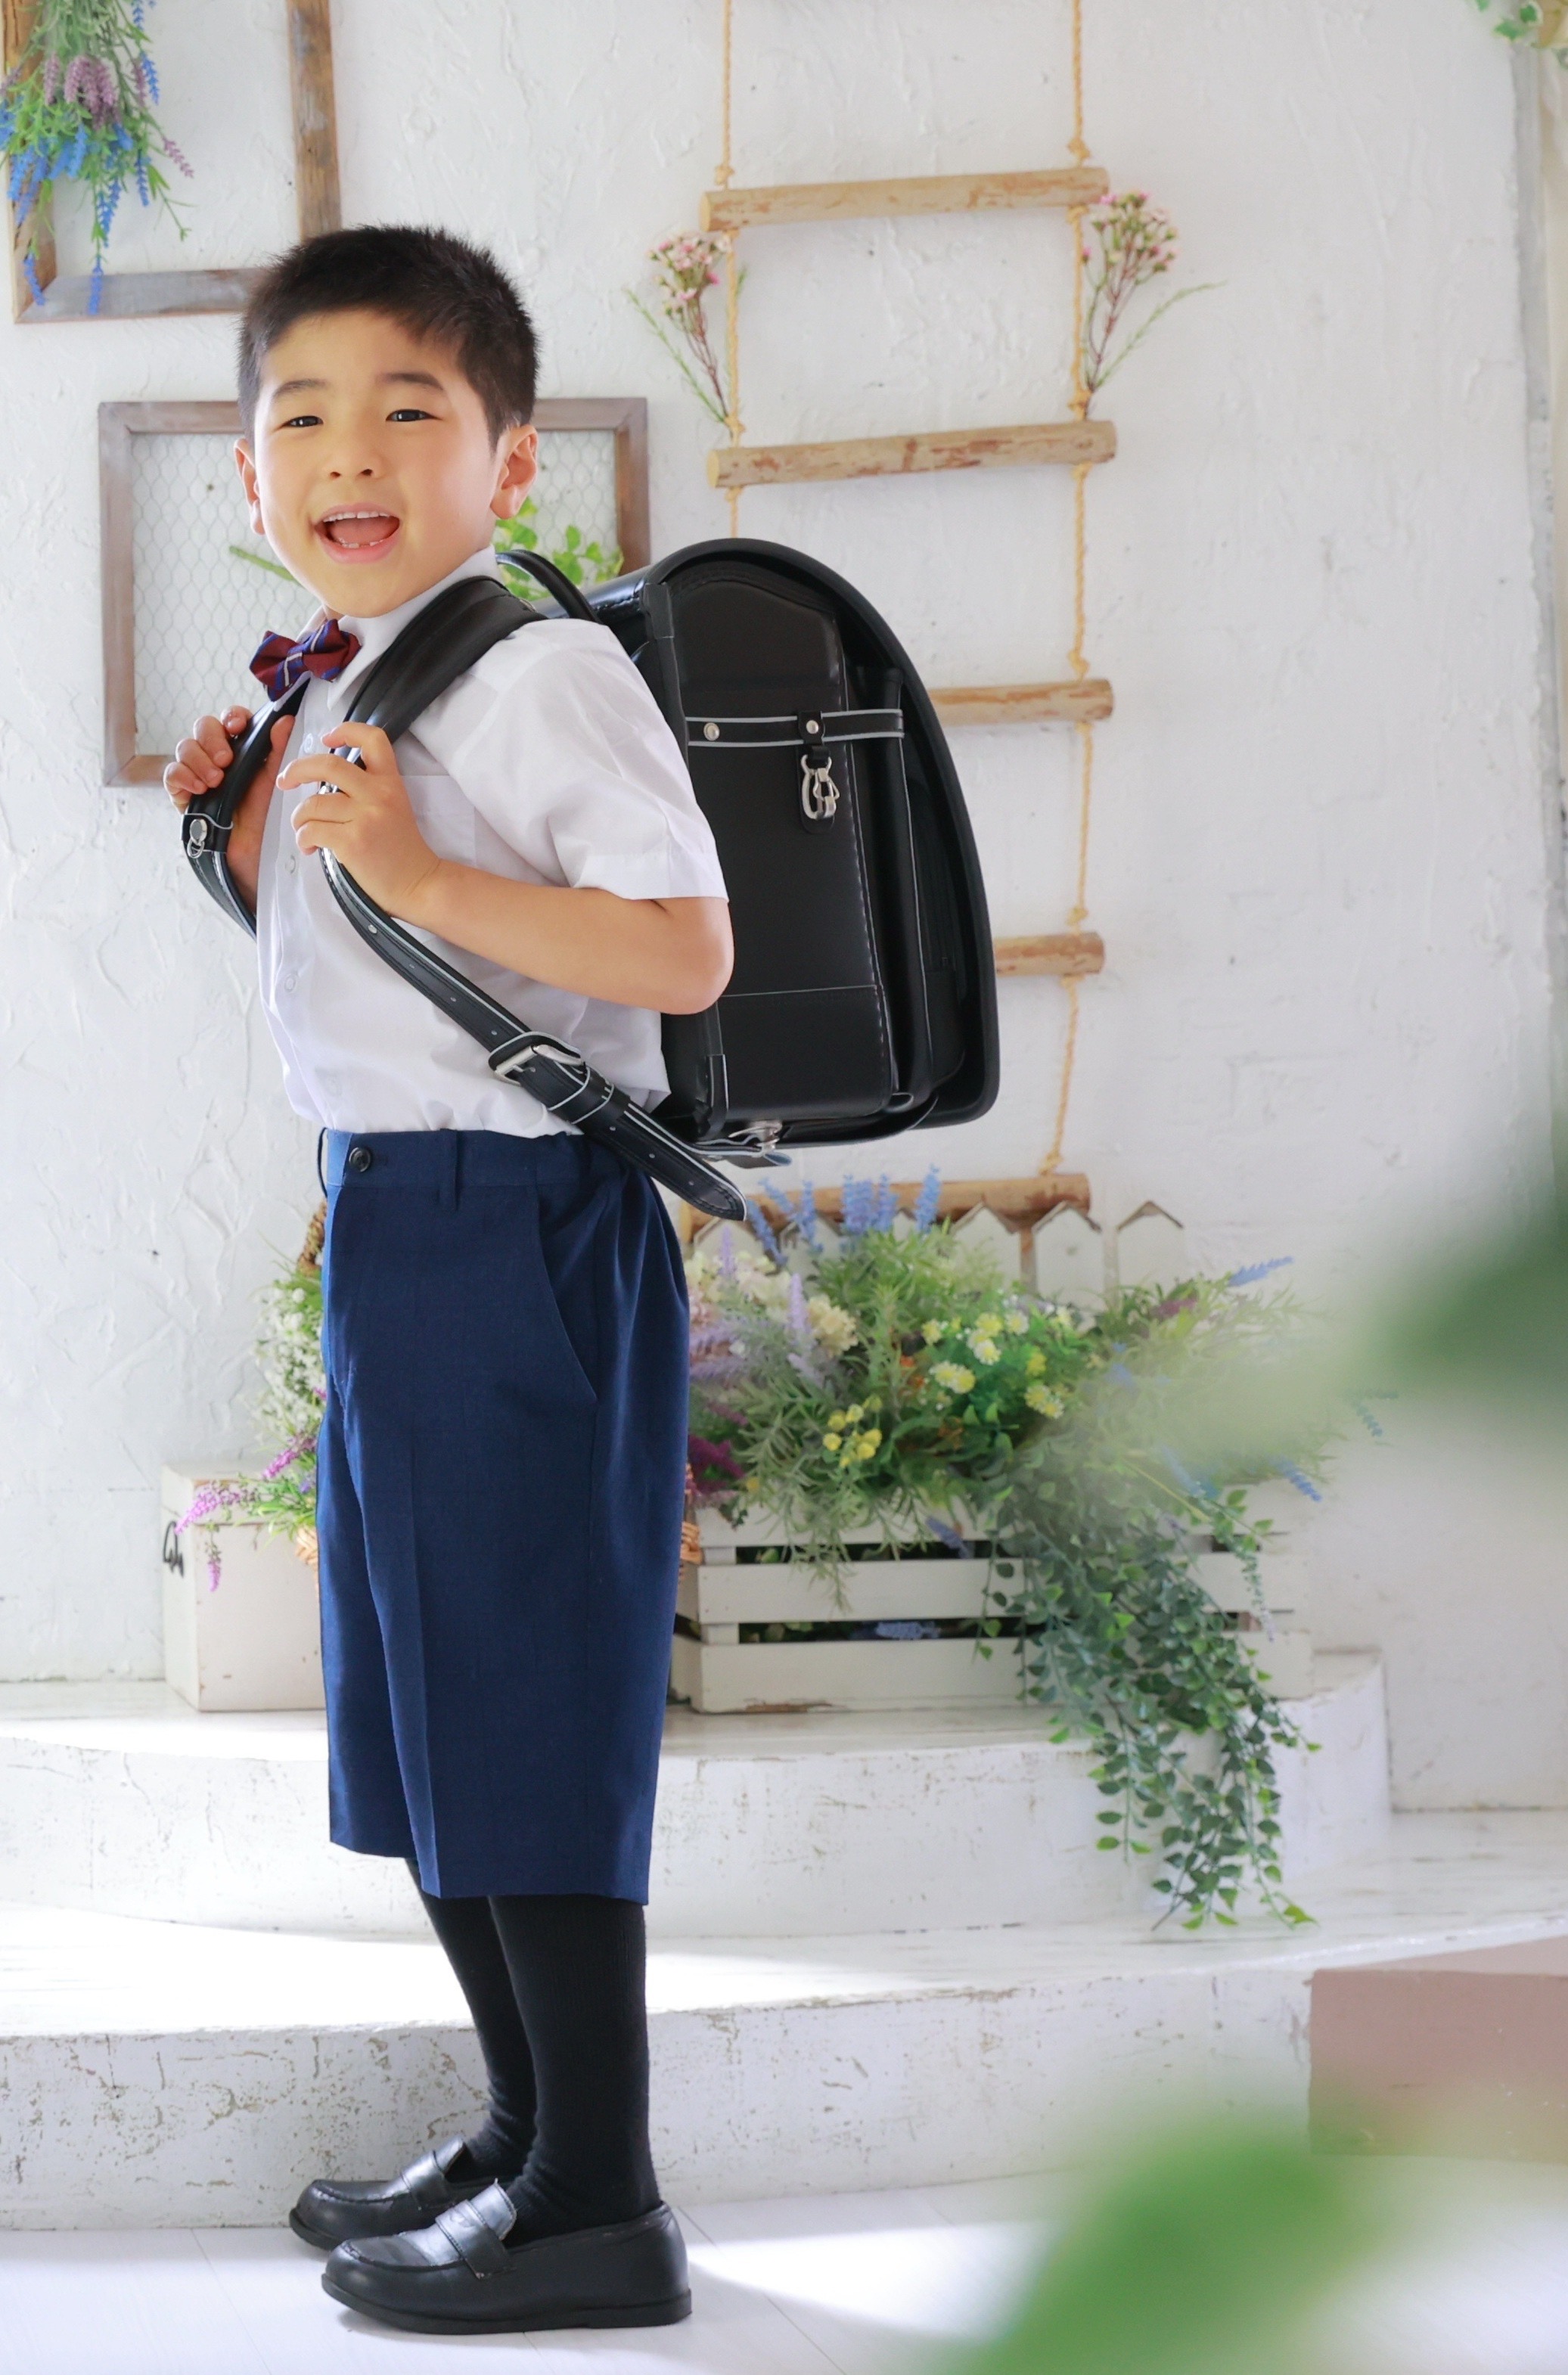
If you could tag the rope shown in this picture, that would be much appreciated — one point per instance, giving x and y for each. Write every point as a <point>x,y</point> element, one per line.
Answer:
<point>1077,914</point>
<point>725,176</point>
<point>1077,147</point>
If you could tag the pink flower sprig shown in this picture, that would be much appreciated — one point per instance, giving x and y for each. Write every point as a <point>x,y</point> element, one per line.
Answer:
<point>298,1446</point>
<point>686,266</point>
<point>1127,242</point>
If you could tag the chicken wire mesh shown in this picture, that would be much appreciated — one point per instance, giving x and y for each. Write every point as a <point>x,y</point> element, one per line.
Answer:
<point>207,590</point>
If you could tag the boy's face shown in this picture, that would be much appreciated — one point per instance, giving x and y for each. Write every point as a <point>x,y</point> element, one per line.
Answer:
<point>372,470</point>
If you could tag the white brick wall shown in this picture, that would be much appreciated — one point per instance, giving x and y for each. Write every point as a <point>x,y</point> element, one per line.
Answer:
<point>1318,856</point>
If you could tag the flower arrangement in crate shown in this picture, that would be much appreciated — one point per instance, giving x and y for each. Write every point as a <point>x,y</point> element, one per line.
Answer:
<point>885,1380</point>
<point>79,107</point>
<point>283,1497</point>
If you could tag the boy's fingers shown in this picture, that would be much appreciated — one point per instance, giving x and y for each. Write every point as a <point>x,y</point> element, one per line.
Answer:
<point>372,740</point>
<point>322,768</point>
<point>205,770</point>
<point>210,734</point>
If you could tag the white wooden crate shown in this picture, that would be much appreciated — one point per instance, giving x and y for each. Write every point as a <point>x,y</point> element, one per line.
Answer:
<point>253,1644</point>
<point>718,1671</point>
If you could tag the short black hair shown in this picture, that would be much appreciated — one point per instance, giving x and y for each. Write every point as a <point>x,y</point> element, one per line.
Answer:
<point>441,286</point>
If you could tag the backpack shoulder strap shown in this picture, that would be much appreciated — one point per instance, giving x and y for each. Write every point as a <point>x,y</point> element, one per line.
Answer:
<point>434,649</point>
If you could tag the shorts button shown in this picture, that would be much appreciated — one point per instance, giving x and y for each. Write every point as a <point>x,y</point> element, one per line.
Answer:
<point>359,1158</point>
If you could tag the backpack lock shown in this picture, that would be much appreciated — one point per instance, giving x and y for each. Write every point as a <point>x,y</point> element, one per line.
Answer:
<point>818,794</point>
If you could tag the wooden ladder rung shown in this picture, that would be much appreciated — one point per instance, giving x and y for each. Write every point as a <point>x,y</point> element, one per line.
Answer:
<point>1080,703</point>
<point>938,449</point>
<point>1068,955</point>
<point>926,194</point>
<point>1020,1201</point>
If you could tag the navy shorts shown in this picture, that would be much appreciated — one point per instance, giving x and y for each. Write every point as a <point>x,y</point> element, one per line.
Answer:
<point>501,1475</point>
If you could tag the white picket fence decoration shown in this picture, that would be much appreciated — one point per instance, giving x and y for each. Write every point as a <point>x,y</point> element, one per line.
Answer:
<point>1065,1256</point>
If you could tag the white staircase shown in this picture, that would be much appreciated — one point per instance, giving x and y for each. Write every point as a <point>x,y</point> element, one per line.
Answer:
<point>886,1952</point>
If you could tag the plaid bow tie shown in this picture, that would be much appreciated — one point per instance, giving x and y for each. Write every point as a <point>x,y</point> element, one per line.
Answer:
<point>280,663</point>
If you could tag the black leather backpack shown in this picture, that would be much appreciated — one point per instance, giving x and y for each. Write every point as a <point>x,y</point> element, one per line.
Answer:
<point>863,999</point>
<point>863,995</point>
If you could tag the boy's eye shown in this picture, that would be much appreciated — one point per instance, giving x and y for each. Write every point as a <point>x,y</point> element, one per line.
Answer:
<point>301,421</point>
<point>410,412</point>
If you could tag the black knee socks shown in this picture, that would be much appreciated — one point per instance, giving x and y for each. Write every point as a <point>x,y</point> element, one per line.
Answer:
<point>467,1930</point>
<point>556,1986</point>
<point>578,1967</point>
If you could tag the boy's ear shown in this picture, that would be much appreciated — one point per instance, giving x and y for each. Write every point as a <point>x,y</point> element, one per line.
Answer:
<point>244,461</point>
<point>519,459</point>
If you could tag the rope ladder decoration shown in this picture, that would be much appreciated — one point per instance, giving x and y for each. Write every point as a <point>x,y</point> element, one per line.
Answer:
<point>1074,953</point>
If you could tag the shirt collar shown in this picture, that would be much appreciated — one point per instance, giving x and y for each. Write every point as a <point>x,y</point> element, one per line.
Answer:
<point>376,635</point>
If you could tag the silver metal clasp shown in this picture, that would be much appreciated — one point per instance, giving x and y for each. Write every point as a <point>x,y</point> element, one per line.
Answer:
<point>819,793</point>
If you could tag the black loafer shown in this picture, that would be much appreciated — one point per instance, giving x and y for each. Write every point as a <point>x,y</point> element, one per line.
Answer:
<point>327,2213</point>
<point>458,2277</point>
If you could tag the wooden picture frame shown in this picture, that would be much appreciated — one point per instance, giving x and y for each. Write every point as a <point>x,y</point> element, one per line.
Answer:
<point>130,295</point>
<point>624,416</point>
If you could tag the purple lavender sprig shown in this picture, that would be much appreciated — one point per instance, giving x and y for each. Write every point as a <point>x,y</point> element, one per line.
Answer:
<point>763,1233</point>
<point>858,1208</point>
<point>79,108</point>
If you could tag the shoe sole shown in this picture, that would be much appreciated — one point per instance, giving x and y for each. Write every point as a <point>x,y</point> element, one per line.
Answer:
<point>311,2235</point>
<point>666,2312</point>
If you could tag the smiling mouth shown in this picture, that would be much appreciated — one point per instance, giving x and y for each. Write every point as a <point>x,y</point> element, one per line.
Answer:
<point>364,533</point>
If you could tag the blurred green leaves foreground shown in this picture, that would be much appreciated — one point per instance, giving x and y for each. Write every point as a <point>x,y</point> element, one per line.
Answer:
<point>1211,2253</point>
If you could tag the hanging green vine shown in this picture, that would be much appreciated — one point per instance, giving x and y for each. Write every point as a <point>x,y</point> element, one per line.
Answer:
<point>79,107</point>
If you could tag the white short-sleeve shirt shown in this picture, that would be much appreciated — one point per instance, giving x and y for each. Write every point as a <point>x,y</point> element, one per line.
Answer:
<point>549,761</point>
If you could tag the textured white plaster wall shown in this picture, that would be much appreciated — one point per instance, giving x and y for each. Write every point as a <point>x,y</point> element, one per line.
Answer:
<point>1318,860</point>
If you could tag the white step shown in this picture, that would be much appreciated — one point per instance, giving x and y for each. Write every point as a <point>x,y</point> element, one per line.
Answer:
<point>126,1801</point>
<point>173,2075</point>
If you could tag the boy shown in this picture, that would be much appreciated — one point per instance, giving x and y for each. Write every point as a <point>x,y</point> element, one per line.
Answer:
<point>501,1453</point>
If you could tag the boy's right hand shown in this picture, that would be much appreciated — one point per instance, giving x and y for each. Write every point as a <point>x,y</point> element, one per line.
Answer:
<point>197,766</point>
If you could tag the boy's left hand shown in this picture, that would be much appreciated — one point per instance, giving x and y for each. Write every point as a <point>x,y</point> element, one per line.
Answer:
<point>366,820</point>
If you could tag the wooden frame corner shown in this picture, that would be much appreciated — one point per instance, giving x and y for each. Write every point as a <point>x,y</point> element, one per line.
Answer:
<point>141,295</point>
<point>625,417</point>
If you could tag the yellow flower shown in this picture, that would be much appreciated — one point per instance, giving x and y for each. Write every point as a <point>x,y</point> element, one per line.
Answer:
<point>1035,1365</point>
<point>957,1380</point>
<point>983,1349</point>
<point>831,1441</point>
<point>854,1413</point>
<point>1049,1405</point>
<point>1017,1324</point>
<point>867,1445</point>
<point>934,1331</point>
<point>839,1418</point>
<point>988,1324</point>
<point>831,1326</point>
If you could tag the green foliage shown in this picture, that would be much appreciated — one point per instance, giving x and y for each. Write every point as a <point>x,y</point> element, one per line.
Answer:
<point>1209,2253</point>
<point>890,1383</point>
<point>895,1381</point>
<point>259,561</point>
<point>1541,23</point>
<point>79,108</point>
<point>585,562</point>
<point>293,1392</point>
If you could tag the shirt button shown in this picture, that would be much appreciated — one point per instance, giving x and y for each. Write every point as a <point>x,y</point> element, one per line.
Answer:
<point>359,1158</point>
<point>290,979</point>
<point>289,863</point>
